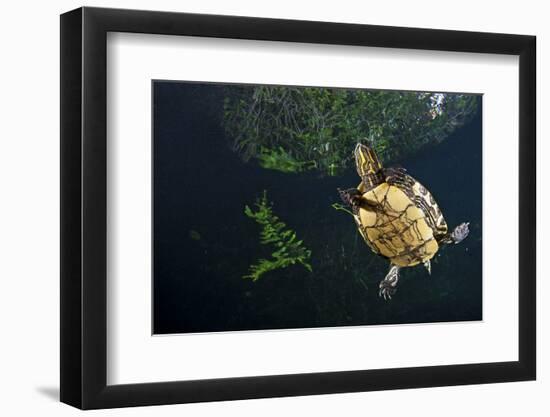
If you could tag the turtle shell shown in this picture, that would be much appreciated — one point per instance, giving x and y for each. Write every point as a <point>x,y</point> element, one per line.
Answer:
<point>395,225</point>
<point>425,201</point>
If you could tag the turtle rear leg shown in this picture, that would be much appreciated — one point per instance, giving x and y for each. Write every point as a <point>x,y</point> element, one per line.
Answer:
<point>459,233</point>
<point>388,284</point>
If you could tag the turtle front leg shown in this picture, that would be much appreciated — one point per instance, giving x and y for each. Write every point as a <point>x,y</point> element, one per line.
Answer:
<point>397,176</point>
<point>350,197</point>
<point>459,233</point>
<point>388,284</point>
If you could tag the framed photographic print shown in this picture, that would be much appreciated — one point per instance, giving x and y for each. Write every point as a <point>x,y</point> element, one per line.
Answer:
<point>257,208</point>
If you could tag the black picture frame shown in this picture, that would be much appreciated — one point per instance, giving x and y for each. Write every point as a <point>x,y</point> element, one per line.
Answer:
<point>83,207</point>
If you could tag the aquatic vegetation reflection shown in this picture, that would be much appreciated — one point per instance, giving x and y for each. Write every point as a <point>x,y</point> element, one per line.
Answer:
<point>293,129</point>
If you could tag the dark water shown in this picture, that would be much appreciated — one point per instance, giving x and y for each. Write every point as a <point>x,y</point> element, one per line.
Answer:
<point>204,244</point>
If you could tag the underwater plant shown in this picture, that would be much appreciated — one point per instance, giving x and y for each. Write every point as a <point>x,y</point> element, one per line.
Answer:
<point>340,207</point>
<point>287,249</point>
<point>293,129</point>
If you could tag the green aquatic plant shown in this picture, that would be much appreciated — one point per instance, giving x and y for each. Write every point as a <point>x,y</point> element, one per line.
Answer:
<point>292,129</point>
<point>340,207</point>
<point>193,234</point>
<point>287,249</point>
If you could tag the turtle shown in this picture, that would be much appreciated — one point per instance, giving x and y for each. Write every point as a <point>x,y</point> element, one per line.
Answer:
<point>397,217</point>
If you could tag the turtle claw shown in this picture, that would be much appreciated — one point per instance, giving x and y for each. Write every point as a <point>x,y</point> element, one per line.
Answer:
<point>388,284</point>
<point>386,292</point>
<point>460,232</point>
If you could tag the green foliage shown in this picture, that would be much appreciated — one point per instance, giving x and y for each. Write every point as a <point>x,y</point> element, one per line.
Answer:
<point>287,249</point>
<point>193,234</point>
<point>292,129</point>
<point>340,207</point>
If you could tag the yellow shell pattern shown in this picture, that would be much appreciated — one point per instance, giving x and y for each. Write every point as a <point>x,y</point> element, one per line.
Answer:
<point>394,227</point>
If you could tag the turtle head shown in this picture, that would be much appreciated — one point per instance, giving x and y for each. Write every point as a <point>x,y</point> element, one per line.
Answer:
<point>366,161</point>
